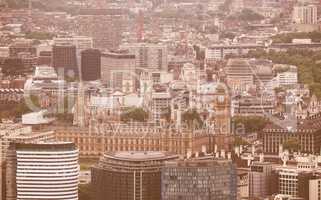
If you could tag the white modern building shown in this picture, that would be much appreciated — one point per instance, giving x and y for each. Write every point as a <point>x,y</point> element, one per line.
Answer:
<point>45,171</point>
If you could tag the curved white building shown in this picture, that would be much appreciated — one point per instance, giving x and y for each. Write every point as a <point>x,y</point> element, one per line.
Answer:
<point>47,171</point>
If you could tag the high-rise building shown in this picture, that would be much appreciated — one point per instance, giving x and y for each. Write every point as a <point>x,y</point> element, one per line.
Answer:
<point>149,56</point>
<point>129,175</point>
<point>11,133</point>
<point>42,171</point>
<point>305,14</point>
<point>260,179</point>
<point>117,68</point>
<point>199,179</point>
<point>64,57</point>
<point>90,65</point>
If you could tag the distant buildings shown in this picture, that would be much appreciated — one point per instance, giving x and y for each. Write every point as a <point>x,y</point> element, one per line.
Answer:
<point>149,56</point>
<point>219,52</point>
<point>81,42</point>
<point>105,28</point>
<point>22,46</point>
<point>129,175</point>
<point>305,14</point>
<point>306,132</point>
<point>90,65</point>
<point>239,75</point>
<point>199,179</point>
<point>118,70</point>
<point>288,77</point>
<point>64,57</point>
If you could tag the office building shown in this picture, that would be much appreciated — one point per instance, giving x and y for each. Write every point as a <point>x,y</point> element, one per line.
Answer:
<point>90,65</point>
<point>219,52</point>
<point>199,179</point>
<point>160,101</point>
<point>42,171</point>
<point>305,14</point>
<point>129,175</point>
<point>149,56</point>
<point>260,180</point>
<point>81,42</point>
<point>64,57</point>
<point>117,69</point>
<point>11,133</point>
<point>239,74</point>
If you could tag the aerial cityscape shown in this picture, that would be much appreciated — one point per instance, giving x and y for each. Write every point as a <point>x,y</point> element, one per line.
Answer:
<point>160,100</point>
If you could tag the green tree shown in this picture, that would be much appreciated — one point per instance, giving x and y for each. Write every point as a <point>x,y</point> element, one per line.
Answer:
<point>238,141</point>
<point>191,117</point>
<point>251,124</point>
<point>134,114</point>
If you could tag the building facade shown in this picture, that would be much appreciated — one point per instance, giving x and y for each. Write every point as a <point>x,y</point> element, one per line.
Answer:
<point>129,175</point>
<point>42,171</point>
<point>64,57</point>
<point>199,180</point>
<point>90,65</point>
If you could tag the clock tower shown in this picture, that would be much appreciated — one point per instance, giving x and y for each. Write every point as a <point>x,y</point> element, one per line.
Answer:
<point>222,133</point>
<point>222,111</point>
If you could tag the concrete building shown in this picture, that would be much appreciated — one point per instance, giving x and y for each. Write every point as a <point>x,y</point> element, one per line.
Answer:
<point>81,42</point>
<point>287,78</point>
<point>90,65</point>
<point>160,101</point>
<point>239,75</point>
<point>129,175</point>
<point>64,57</point>
<point>10,133</point>
<point>199,179</point>
<point>260,179</point>
<point>219,52</point>
<point>305,14</point>
<point>117,69</point>
<point>42,171</point>
<point>306,131</point>
<point>149,56</point>
<point>252,106</point>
